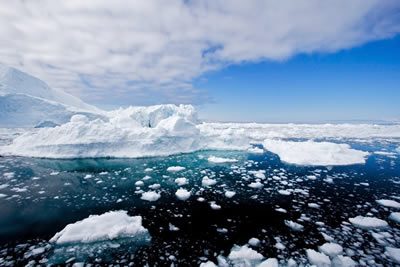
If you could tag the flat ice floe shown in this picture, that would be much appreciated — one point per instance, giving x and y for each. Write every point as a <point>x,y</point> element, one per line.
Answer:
<point>214,159</point>
<point>388,203</point>
<point>315,153</point>
<point>368,222</point>
<point>395,216</point>
<point>108,226</point>
<point>394,254</point>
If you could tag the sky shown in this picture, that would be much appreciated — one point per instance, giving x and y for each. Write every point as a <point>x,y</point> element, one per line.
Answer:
<point>255,60</point>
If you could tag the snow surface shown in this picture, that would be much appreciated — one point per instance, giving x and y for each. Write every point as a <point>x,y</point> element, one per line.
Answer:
<point>315,153</point>
<point>108,226</point>
<point>368,222</point>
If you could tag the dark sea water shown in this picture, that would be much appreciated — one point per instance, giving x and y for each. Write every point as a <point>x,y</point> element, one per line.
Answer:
<point>39,197</point>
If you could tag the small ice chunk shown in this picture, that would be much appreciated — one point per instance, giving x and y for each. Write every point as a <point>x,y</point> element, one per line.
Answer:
<point>256,185</point>
<point>393,253</point>
<point>87,176</point>
<point>208,182</point>
<point>108,226</point>
<point>284,192</point>
<point>37,251</point>
<point>154,186</point>
<point>148,169</point>
<point>314,205</point>
<point>208,264</point>
<point>395,216</point>
<point>215,206</point>
<point>214,159</point>
<point>343,261</point>
<point>270,262</point>
<point>331,249</point>
<point>230,194</point>
<point>281,210</point>
<point>244,256</point>
<point>182,194</point>
<point>389,203</point>
<point>294,226</point>
<point>139,183</point>
<point>172,227</point>
<point>8,175</point>
<point>150,196</point>
<point>254,242</point>
<point>2,186</point>
<point>368,222</point>
<point>175,169</point>
<point>54,173</point>
<point>318,259</point>
<point>181,181</point>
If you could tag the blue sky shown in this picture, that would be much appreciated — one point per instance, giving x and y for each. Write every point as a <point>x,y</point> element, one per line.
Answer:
<point>254,60</point>
<point>361,83</point>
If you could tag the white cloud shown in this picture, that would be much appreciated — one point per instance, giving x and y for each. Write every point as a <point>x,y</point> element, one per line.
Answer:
<point>114,49</point>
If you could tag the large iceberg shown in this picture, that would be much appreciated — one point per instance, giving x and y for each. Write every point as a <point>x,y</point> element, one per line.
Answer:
<point>133,132</point>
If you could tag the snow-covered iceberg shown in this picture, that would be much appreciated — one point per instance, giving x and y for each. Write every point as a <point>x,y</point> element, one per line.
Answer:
<point>315,153</point>
<point>26,101</point>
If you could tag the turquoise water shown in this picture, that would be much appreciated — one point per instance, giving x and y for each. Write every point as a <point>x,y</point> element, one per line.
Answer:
<point>41,196</point>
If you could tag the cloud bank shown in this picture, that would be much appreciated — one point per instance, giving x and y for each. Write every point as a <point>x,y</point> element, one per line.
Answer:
<point>128,51</point>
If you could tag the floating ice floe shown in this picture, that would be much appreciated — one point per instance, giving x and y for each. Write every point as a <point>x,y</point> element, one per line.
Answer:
<point>108,226</point>
<point>331,249</point>
<point>214,159</point>
<point>175,169</point>
<point>393,253</point>
<point>244,256</point>
<point>208,264</point>
<point>395,216</point>
<point>150,196</point>
<point>208,182</point>
<point>270,262</point>
<point>318,259</point>
<point>388,203</point>
<point>181,181</point>
<point>368,222</point>
<point>294,226</point>
<point>315,153</point>
<point>182,194</point>
<point>230,194</point>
